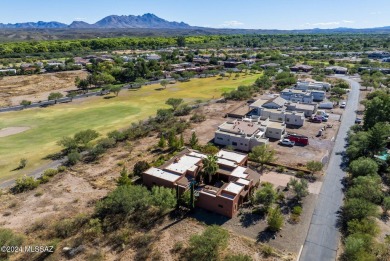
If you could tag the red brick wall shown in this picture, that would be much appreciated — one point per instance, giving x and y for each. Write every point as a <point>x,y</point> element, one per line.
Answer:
<point>214,204</point>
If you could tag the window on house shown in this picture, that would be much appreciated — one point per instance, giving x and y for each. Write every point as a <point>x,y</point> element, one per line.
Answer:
<point>220,206</point>
<point>234,143</point>
<point>288,120</point>
<point>270,131</point>
<point>242,144</point>
<point>276,132</point>
<point>219,138</point>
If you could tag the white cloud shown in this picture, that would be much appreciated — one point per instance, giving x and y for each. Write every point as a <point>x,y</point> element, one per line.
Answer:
<point>231,24</point>
<point>79,19</point>
<point>327,24</point>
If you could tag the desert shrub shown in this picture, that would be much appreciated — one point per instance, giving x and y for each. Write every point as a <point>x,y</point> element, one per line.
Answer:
<point>93,229</point>
<point>44,179</point>
<point>121,237</point>
<point>177,247</point>
<point>300,174</point>
<point>22,163</point>
<point>73,157</point>
<point>267,251</point>
<point>208,245</point>
<point>50,172</point>
<point>182,110</point>
<point>107,142</point>
<point>61,168</point>
<point>210,149</point>
<point>357,208</point>
<point>9,238</point>
<point>23,184</point>
<point>38,194</point>
<point>140,167</point>
<point>275,219</point>
<point>297,210</point>
<point>163,198</point>
<point>117,135</point>
<point>68,227</point>
<point>142,240</point>
<point>357,247</point>
<point>238,257</point>
<point>96,151</point>
<point>280,169</point>
<point>365,226</point>
<point>196,118</point>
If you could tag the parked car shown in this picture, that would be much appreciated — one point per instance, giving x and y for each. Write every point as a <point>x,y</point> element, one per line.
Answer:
<point>287,142</point>
<point>323,118</point>
<point>316,120</point>
<point>358,120</point>
<point>343,105</point>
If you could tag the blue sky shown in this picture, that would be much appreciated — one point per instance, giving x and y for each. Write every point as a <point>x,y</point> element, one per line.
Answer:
<point>254,14</point>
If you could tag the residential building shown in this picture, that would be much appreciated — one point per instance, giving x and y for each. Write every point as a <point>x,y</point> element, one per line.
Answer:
<point>277,109</point>
<point>154,57</point>
<point>378,55</point>
<point>296,96</point>
<point>7,71</point>
<point>241,135</point>
<point>337,69</point>
<point>302,96</point>
<point>301,68</point>
<point>231,186</point>
<point>309,84</point>
<point>307,109</point>
<point>270,65</point>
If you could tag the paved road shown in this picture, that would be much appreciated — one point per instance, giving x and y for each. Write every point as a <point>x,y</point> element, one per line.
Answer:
<point>323,237</point>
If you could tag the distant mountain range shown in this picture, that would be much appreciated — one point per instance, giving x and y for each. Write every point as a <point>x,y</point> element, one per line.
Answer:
<point>142,24</point>
<point>150,21</point>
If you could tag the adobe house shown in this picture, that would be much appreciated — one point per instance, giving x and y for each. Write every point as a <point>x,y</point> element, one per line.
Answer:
<point>233,182</point>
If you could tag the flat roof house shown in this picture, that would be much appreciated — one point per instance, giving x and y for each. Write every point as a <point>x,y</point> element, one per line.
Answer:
<point>276,109</point>
<point>233,187</point>
<point>302,96</point>
<point>301,68</point>
<point>312,85</point>
<point>241,135</point>
<point>337,69</point>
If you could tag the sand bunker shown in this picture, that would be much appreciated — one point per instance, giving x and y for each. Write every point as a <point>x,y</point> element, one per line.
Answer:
<point>12,131</point>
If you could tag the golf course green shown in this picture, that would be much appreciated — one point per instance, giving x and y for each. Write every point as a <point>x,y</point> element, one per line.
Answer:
<point>48,125</point>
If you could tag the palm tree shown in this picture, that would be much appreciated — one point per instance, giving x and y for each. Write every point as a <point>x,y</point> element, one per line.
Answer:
<point>210,166</point>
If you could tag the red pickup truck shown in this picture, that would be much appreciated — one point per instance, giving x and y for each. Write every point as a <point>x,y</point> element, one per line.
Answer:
<point>298,139</point>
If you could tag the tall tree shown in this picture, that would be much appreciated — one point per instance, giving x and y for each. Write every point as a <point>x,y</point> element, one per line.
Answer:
<point>174,102</point>
<point>266,195</point>
<point>194,141</point>
<point>275,219</point>
<point>210,166</point>
<point>55,96</point>
<point>262,154</point>
<point>164,83</point>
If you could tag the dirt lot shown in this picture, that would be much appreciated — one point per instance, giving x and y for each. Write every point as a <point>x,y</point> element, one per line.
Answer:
<point>318,148</point>
<point>14,89</point>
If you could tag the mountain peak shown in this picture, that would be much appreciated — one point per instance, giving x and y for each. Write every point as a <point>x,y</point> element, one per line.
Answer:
<point>147,20</point>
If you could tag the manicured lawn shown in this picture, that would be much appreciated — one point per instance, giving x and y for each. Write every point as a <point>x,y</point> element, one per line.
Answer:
<point>48,125</point>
